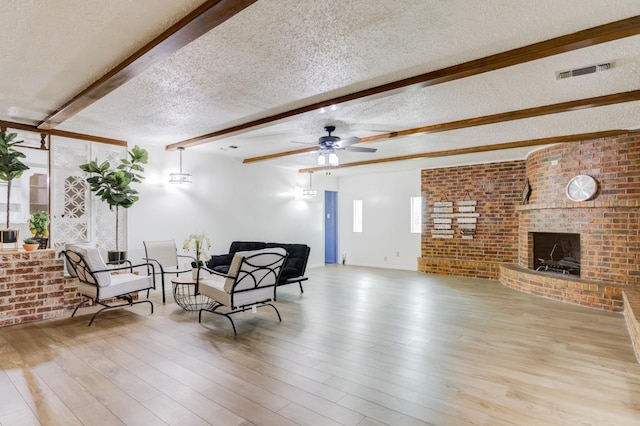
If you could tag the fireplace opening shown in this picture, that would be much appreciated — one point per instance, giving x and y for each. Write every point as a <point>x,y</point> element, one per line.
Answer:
<point>556,252</point>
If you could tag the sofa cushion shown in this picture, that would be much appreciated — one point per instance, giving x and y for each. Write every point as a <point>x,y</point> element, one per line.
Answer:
<point>220,263</point>
<point>296,263</point>
<point>237,246</point>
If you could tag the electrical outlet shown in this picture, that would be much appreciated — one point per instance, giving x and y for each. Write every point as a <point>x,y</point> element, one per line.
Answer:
<point>397,254</point>
<point>385,258</point>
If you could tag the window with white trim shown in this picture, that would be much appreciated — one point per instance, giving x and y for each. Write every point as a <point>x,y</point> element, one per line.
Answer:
<point>357,215</point>
<point>416,215</point>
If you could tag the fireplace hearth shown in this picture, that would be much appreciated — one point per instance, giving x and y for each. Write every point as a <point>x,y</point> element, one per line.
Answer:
<point>556,252</point>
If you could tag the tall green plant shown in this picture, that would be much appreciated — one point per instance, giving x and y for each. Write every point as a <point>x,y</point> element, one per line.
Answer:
<point>113,185</point>
<point>10,165</point>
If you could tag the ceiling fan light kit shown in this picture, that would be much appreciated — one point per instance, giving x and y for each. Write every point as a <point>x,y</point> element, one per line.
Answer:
<point>328,157</point>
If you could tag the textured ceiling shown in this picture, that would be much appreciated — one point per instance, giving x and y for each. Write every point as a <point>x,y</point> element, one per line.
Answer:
<point>277,55</point>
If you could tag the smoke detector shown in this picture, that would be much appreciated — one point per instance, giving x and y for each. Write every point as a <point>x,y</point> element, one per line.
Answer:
<point>560,75</point>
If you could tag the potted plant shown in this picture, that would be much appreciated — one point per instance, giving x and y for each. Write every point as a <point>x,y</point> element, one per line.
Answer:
<point>30,244</point>
<point>39,227</point>
<point>10,168</point>
<point>113,186</point>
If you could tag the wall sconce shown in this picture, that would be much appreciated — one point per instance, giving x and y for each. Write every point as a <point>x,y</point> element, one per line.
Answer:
<point>309,192</point>
<point>180,178</point>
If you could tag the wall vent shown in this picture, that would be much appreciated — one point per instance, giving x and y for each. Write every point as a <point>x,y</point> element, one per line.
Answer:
<point>583,71</point>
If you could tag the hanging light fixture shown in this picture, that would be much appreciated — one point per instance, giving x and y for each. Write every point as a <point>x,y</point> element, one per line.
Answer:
<point>180,178</point>
<point>309,192</point>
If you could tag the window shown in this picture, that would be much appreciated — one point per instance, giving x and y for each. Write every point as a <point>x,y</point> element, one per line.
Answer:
<point>416,215</point>
<point>357,215</point>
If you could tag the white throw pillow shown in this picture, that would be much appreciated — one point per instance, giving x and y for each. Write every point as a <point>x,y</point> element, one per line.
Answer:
<point>75,247</point>
<point>95,263</point>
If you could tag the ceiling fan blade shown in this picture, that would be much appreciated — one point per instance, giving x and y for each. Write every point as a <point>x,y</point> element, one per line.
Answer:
<point>346,142</point>
<point>303,143</point>
<point>359,149</point>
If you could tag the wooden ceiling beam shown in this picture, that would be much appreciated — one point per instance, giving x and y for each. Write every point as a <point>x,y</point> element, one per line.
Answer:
<point>200,21</point>
<point>594,102</point>
<point>62,133</point>
<point>566,43</point>
<point>477,149</point>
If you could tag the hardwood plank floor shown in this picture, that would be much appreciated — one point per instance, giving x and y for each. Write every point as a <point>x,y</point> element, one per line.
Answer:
<point>361,346</point>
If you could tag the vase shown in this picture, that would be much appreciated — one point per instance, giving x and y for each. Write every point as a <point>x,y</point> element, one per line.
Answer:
<point>30,247</point>
<point>194,273</point>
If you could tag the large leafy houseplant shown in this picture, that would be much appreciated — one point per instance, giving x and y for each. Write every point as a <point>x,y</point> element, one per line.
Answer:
<point>113,184</point>
<point>10,168</point>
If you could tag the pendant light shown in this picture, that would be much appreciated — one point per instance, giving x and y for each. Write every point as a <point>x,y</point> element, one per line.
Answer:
<point>180,178</point>
<point>309,192</point>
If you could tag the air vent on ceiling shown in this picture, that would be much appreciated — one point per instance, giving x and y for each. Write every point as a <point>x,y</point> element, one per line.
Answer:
<point>583,71</point>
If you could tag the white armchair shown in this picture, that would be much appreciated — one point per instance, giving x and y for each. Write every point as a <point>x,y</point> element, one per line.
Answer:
<point>98,283</point>
<point>249,284</point>
<point>164,255</point>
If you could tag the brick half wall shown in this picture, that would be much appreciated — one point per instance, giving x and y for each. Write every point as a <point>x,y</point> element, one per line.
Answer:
<point>32,286</point>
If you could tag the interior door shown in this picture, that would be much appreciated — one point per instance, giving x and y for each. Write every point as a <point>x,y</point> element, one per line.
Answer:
<point>330,227</point>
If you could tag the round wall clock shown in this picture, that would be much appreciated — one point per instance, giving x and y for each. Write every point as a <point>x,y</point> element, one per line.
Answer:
<point>581,188</point>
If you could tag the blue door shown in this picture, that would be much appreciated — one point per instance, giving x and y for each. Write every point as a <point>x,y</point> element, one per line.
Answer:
<point>330,227</point>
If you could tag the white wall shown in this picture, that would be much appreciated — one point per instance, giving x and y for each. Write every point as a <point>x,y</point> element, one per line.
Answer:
<point>228,201</point>
<point>386,240</point>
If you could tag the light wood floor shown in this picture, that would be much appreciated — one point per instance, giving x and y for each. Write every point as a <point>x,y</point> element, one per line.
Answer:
<point>361,346</point>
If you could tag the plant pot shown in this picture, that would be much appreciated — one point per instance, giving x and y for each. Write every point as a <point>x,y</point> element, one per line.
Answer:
<point>117,256</point>
<point>43,242</point>
<point>9,239</point>
<point>31,247</point>
<point>9,235</point>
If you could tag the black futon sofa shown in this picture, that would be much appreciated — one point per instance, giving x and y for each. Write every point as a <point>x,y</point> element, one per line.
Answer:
<point>294,267</point>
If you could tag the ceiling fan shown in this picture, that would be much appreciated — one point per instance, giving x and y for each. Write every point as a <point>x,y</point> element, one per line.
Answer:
<point>328,145</point>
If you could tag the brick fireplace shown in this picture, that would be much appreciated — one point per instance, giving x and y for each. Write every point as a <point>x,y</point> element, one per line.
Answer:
<point>607,227</point>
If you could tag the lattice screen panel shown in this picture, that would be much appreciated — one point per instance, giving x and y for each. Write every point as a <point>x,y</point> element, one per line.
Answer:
<point>76,215</point>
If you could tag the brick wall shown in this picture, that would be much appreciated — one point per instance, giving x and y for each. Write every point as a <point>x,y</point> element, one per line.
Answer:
<point>31,286</point>
<point>497,188</point>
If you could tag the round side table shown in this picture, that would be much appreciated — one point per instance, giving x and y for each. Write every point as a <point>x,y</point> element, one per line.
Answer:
<point>183,293</point>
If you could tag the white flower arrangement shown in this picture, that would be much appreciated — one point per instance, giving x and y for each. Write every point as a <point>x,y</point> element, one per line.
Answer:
<point>201,244</point>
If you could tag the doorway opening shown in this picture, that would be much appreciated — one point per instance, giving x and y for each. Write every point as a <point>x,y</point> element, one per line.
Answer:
<point>330,227</point>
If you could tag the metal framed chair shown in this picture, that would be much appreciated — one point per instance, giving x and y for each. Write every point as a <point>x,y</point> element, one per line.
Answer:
<point>164,255</point>
<point>250,283</point>
<point>100,283</point>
